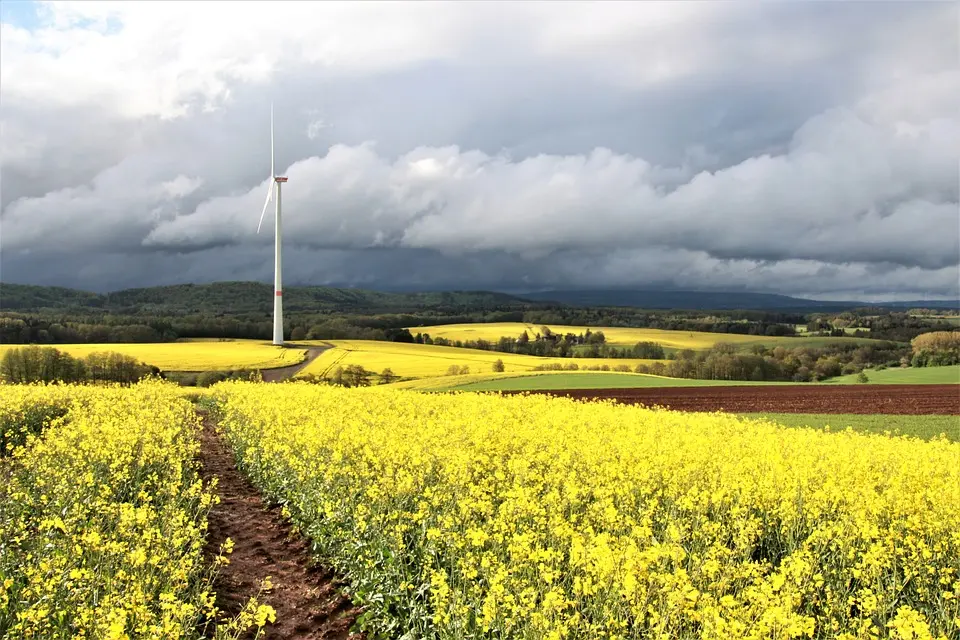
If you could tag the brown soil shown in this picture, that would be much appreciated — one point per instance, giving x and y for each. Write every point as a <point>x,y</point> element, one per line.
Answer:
<point>941,399</point>
<point>282,373</point>
<point>306,597</point>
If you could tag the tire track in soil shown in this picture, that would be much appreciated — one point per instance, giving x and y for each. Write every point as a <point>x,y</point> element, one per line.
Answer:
<point>305,596</point>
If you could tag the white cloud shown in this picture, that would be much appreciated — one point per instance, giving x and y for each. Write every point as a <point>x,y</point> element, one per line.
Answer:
<point>181,186</point>
<point>163,55</point>
<point>850,188</point>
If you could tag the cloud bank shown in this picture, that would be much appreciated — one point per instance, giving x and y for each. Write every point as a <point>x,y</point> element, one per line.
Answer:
<point>808,149</point>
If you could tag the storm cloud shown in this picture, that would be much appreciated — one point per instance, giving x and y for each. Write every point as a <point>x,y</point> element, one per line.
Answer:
<point>803,148</point>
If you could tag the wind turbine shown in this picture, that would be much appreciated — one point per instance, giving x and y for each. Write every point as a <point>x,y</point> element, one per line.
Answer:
<point>274,183</point>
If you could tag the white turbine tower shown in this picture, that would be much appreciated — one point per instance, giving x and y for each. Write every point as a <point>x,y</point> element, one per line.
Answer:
<point>274,183</point>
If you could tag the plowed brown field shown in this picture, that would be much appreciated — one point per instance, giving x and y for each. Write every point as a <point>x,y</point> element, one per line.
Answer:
<point>920,399</point>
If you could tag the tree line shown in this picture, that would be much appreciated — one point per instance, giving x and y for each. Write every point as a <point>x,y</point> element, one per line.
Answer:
<point>939,348</point>
<point>547,343</point>
<point>144,323</point>
<point>798,364</point>
<point>33,363</point>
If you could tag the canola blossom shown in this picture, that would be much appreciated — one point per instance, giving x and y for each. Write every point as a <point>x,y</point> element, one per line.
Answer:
<point>26,410</point>
<point>469,516</point>
<point>103,518</point>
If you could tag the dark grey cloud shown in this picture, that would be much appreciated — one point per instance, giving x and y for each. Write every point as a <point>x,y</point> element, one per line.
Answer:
<point>806,148</point>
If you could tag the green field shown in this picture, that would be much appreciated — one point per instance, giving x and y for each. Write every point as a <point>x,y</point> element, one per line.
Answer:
<point>954,320</point>
<point>925,427</point>
<point>909,375</point>
<point>591,380</point>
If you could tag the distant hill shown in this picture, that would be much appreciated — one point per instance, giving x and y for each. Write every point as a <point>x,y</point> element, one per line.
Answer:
<point>718,300</point>
<point>16,297</point>
<point>256,298</point>
<point>243,298</point>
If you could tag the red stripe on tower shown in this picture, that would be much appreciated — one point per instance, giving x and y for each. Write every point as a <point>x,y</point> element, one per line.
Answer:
<point>279,293</point>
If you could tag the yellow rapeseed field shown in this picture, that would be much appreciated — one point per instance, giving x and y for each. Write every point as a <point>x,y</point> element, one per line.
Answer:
<point>626,336</point>
<point>27,409</point>
<point>426,360</point>
<point>103,519</point>
<point>471,516</point>
<point>194,355</point>
<point>622,336</point>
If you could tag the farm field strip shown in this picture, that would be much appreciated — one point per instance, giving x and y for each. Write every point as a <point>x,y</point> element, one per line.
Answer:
<point>921,426</point>
<point>424,360</point>
<point>785,398</point>
<point>625,336</point>
<point>949,374</point>
<point>612,380</point>
<point>577,380</point>
<point>535,379</point>
<point>193,355</point>
<point>472,515</point>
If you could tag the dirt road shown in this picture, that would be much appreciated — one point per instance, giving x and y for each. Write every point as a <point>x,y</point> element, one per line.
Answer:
<point>283,373</point>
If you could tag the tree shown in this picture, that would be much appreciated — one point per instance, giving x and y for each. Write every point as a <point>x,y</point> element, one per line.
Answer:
<point>498,366</point>
<point>337,377</point>
<point>596,337</point>
<point>356,376</point>
<point>648,351</point>
<point>387,376</point>
<point>724,348</point>
<point>862,377</point>
<point>399,335</point>
<point>298,333</point>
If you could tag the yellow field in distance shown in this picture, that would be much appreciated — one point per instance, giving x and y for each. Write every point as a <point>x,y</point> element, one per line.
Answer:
<point>193,355</point>
<point>626,336</point>
<point>614,335</point>
<point>427,360</point>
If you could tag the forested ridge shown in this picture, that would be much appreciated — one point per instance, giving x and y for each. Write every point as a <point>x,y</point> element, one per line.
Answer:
<point>55,315</point>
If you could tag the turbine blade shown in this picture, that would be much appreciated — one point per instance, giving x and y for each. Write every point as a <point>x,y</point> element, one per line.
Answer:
<point>273,171</point>
<point>266,202</point>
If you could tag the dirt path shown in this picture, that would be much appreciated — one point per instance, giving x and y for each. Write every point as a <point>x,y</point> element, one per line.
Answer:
<point>305,597</point>
<point>282,373</point>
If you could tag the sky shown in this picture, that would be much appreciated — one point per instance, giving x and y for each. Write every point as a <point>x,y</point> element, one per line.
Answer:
<point>803,148</point>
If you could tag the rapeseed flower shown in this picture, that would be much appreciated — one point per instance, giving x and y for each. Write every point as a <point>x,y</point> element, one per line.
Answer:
<point>465,515</point>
